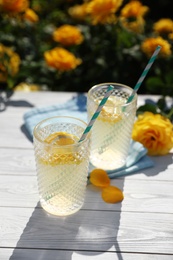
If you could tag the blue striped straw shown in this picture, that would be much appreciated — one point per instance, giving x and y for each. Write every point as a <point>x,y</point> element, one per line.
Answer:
<point>97,112</point>
<point>144,73</point>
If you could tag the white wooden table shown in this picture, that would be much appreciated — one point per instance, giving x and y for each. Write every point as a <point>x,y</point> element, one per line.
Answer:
<point>141,227</point>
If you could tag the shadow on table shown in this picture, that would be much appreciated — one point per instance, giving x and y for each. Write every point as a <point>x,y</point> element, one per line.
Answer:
<point>87,232</point>
<point>162,163</point>
<point>19,103</point>
<point>6,102</point>
<point>26,133</point>
<point>75,107</point>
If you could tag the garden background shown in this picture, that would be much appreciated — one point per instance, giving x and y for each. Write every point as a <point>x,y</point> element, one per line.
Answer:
<point>66,45</point>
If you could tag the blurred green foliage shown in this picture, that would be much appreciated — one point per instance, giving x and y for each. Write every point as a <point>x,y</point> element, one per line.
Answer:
<point>109,52</point>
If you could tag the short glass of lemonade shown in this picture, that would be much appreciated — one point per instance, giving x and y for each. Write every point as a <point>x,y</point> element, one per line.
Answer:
<point>62,164</point>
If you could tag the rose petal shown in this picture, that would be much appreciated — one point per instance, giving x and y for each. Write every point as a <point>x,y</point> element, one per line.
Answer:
<point>99,178</point>
<point>112,194</point>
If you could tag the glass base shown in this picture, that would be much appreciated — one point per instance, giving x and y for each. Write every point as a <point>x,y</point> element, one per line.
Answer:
<point>57,211</point>
<point>108,160</point>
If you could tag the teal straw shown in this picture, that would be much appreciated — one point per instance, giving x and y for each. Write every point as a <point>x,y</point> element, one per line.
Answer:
<point>144,73</point>
<point>97,112</point>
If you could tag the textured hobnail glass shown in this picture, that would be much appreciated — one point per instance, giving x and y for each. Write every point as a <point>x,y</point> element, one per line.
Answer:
<point>61,170</point>
<point>111,132</point>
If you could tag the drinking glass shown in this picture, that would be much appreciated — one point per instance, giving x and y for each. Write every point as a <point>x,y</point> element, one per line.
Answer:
<point>111,132</point>
<point>62,164</point>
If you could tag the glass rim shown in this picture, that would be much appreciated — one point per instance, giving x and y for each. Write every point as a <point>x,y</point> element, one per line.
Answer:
<point>113,84</point>
<point>77,144</point>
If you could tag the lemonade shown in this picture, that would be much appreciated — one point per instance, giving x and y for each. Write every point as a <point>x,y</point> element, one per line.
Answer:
<point>111,132</point>
<point>62,169</point>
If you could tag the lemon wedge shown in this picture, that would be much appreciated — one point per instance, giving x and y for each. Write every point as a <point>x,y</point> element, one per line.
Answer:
<point>60,138</point>
<point>58,152</point>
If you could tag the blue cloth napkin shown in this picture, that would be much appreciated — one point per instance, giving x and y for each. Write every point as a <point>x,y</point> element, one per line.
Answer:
<point>137,158</point>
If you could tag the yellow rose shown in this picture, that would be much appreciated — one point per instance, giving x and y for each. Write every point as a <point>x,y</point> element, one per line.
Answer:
<point>31,16</point>
<point>23,86</point>
<point>136,26</point>
<point>61,59</point>
<point>134,9</point>
<point>68,35</point>
<point>14,6</point>
<point>103,11</point>
<point>9,63</point>
<point>131,16</point>
<point>155,132</point>
<point>164,25</point>
<point>149,45</point>
<point>78,11</point>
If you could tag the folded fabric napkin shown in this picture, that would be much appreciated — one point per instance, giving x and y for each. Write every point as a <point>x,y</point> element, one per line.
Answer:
<point>76,107</point>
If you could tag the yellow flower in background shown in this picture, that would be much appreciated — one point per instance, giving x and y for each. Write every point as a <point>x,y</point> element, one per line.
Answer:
<point>78,12</point>
<point>26,87</point>
<point>31,16</point>
<point>170,36</point>
<point>136,26</point>
<point>68,35</point>
<point>149,45</point>
<point>134,9</point>
<point>163,26</point>
<point>103,11</point>
<point>61,59</point>
<point>9,63</point>
<point>155,132</point>
<point>14,6</point>
<point>131,16</point>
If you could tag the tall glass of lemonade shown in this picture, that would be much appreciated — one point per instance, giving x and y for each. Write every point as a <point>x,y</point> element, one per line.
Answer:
<point>62,164</point>
<point>111,132</point>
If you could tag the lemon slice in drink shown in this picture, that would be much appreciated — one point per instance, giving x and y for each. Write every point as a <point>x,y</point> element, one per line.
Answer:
<point>60,150</point>
<point>60,138</point>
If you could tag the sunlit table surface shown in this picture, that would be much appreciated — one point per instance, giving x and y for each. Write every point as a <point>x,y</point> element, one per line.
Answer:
<point>141,227</point>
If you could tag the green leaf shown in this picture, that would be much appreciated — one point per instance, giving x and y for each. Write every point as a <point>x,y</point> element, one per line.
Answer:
<point>147,107</point>
<point>154,84</point>
<point>162,104</point>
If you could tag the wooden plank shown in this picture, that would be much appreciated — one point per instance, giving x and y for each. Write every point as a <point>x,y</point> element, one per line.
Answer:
<point>12,131</point>
<point>162,170</point>
<point>48,98</point>
<point>21,161</point>
<point>18,191</point>
<point>140,225</point>
<point>24,101</point>
<point>37,98</point>
<point>35,254</point>
<point>87,230</point>
<point>17,161</point>
<point>21,102</point>
<point>139,195</point>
